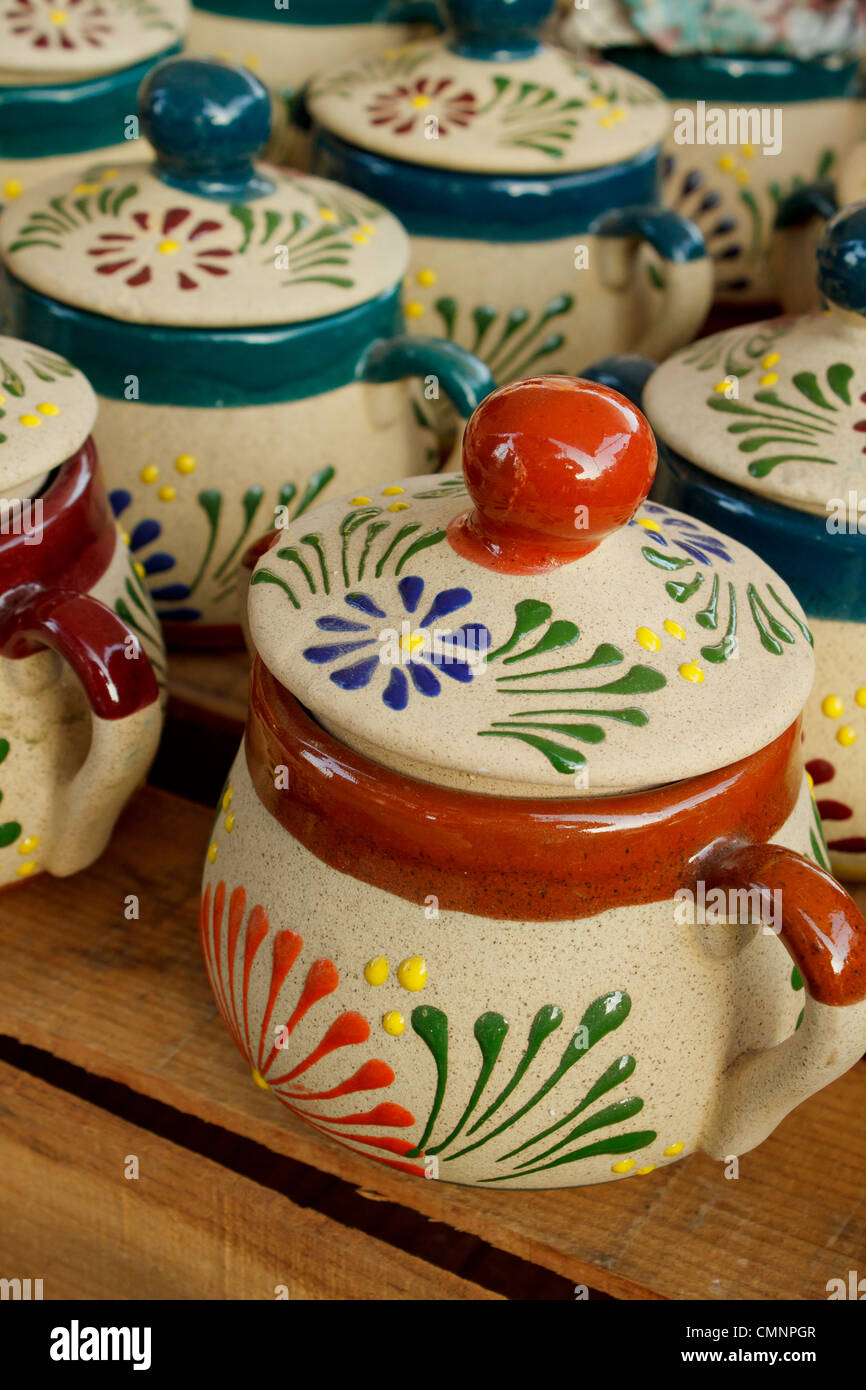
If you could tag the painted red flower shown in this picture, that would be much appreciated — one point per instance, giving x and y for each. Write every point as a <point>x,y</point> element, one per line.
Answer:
<point>59,24</point>
<point>407,103</point>
<point>176,234</point>
<point>231,953</point>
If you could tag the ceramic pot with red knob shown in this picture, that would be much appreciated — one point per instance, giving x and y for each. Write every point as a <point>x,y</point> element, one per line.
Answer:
<point>81,655</point>
<point>517,879</point>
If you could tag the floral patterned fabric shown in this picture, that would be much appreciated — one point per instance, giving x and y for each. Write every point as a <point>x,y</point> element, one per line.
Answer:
<point>801,28</point>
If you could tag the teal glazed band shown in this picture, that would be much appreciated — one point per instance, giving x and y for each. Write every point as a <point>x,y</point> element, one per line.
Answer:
<point>73,117</point>
<point>315,12</point>
<point>762,81</point>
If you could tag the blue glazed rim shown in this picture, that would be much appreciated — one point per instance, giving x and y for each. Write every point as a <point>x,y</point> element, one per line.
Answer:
<point>488,207</point>
<point>728,77</point>
<point>826,571</point>
<point>323,12</point>
<point>72,117</point>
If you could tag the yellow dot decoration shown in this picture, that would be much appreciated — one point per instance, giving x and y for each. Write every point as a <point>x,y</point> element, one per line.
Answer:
<point>394,1023</point>
<point>376,971</point>
<point>674,629</point>
<point>833,706</point>
<point>690,671</point>
<point>212,852</point>
<point>149,473</point>
<point>327,214</point>
<point>412,973</point>
<point>648,525</point>
<point>393,491</point>
<point>770,360</point>
<point>259,1079</point>
<point>625,1165</point>
<point>726,162</point>
<point>230,822</point>
<point>185,463</point>
<point>673,1149</point>
<point>360,238</point>
<point>722,386</point>
<point>28,845</point>
<point>426,278</point>
<point>13,188</point>
<point>58,17</point>
<point>411,642</point>
<point>48,408</point>
<point>139,569</point>
<point>420,101</point>
<point>413,309</point>
<point>648,639</point>
<point>769,379</point>
<point>25,870</point>
<point>399,507</point>
<point>168,247</point>
<point>860,697</point>
<point>167,493</point>
<point>359,501</point>
<point>846,736</point>
<point>227,798</point>
<point>88,188</point>
<point>648,1168</point>
<point>30,421</point>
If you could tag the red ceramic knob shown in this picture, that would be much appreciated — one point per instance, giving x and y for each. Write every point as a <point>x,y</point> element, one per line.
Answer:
<point>553,464</point>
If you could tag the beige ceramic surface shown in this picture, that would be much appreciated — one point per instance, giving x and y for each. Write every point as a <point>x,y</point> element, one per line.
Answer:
<point>66,774</point>
<point>581,116</point>
<point>701,996</point>
<point>700,398</point>
<point>576,298</point>
<point>835,729</point>
<point>609,643</point>
<point>45,41</point>
<point>793,249</point>
<point>18,176</point>
<point>47,410</point>
<point>192,261</point>
<point>166,456</point>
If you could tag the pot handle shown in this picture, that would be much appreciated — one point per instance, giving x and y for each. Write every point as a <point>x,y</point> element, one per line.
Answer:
<point>825,935</point>
<point>465,379</point>
<point>624,372</point>
<point>120,689</point>
<point>799,222</point>
<point>689,283</point>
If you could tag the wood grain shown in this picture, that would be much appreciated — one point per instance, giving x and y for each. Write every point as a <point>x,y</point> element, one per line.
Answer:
<point>130,1001</point>
<point>185,1228</point>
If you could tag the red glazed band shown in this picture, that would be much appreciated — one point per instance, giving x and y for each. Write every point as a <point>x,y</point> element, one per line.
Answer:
<point>78,532</point>
<point>532,859</point>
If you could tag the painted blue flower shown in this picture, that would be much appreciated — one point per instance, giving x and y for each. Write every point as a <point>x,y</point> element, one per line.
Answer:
<point>700,545</point>
<point>420,659</point>
<point>143,534</point>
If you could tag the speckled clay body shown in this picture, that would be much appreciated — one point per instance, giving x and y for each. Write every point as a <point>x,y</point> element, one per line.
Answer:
<point>481,972</point>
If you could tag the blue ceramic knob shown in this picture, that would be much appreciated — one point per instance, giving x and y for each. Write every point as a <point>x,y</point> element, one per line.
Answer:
<point>497,30</point>
<point>207,121</point>
<point>842,259</point>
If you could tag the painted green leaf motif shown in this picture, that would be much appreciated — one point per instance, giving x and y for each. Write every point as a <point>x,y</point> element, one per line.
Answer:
<point>664,562</point>
<point>9,833</point>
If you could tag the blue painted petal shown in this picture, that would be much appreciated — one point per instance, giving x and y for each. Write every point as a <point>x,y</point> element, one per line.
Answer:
<point>179,615</point>
<point>320,655</point>
<point>423,679</point>
<point>357,676</point>
<point>120,500</point>
<point>445,602</point>
<point>168,593</point>
<point>159,562</point>
<point>396,693</point>
<point>457,670</point>
<point>411,588</point>
<point>476,637</point>
<point>144,533</point>
<point>341,625</point>
<point>695,553</point>
<point>366,604</point>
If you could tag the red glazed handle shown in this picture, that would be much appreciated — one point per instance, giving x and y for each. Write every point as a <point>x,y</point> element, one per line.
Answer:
<point>84,632</point>
<point>825,935</point>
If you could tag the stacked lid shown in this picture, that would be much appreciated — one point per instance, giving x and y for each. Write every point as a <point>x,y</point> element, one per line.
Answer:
<point>533,627</point>
<point>54,41</point>
<point>489,97</point>
<point>203,237</point>
<point>47,410</point>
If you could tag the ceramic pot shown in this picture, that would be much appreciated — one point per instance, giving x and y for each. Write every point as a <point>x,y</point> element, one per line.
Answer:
<point>243,329</point>
<point>800,224</point>
<point>81,658</point>
<point>528,183</point>
<point>729,173</point>
<point>69,75</point>
<point>486,764</point>
<point>761,433</point>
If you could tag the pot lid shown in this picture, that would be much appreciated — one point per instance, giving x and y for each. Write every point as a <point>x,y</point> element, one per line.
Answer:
<point>47,410</point>
<point>203,237</point>
<point>61,40</point>
<point>490,98</point>
<point>779,407</point>
<point>533,627</point>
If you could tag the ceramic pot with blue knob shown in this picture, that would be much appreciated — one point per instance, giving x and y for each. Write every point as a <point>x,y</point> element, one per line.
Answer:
<point>69,74</point>
<point>243,329</point>
<point>762,433</point>
<point>529,184</point>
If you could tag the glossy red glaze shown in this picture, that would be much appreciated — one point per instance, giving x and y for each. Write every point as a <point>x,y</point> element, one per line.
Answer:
<point>502,857</point>
<point>553,464</point>
<point>823,931</point>
<point>44,599</point>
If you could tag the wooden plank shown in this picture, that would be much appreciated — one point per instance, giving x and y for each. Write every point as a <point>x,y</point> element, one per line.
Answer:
<point>130,1001</point>
<point>185,1228</point>
<point>210,687</point>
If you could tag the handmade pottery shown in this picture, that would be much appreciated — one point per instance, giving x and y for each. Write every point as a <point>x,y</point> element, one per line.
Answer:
<point>81,656</point>
<point>242,328</point>
<point>800,223</point>
<point>491,765</point>
<point>528,183</point>
<point>69,73</point>
<point>762,431</point>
